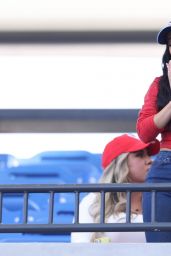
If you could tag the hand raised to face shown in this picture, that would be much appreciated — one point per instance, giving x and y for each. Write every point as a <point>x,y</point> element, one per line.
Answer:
<point>169,71</point>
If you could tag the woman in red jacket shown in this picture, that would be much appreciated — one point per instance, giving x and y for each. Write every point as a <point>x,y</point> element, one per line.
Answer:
<point>154,119</point>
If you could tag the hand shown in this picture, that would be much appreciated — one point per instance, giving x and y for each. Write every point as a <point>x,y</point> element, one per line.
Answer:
<point>169,71</point>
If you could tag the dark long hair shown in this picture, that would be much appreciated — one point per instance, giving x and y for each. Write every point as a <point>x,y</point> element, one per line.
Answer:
<point>164,93</point>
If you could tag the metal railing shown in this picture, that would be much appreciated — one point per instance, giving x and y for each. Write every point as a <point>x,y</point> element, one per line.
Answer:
<point>51,227</point>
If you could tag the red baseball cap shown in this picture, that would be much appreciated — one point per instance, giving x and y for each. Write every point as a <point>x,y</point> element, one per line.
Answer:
<point>125,144</point>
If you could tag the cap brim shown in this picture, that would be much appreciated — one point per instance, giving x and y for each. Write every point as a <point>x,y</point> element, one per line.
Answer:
<point>152,147</point>
<point>162,35</point>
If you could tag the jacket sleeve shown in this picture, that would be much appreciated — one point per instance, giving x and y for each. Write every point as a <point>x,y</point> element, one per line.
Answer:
<point>146,128</point>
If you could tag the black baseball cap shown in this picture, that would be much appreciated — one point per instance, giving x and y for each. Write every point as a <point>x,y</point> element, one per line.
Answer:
<point>163,33</point>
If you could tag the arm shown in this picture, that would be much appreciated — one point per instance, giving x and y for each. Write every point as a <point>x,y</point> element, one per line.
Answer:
<point>162,118</point>
<point>149,122</point>
<point>84,217</point>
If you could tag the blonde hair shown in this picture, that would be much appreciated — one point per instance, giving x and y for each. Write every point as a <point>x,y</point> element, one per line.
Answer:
<point>115,202</point>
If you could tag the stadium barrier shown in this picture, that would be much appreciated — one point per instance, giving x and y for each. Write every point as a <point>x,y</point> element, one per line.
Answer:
<point>52,228</point>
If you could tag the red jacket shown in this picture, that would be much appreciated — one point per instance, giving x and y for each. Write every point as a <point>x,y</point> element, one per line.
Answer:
<point>146,128</point>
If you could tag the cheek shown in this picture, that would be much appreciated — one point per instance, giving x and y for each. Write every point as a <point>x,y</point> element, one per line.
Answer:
<point>137,171</point>
<point>136,165</point>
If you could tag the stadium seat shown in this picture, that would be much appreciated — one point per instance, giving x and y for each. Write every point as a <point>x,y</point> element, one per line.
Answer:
<point>7,160</point>
<point>53,167</point>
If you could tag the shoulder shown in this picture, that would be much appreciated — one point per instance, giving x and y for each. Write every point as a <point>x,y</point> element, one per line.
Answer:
<point>87,200</point>
<point>84,215</point>
<point>153,89</point>
<point>155,84</point>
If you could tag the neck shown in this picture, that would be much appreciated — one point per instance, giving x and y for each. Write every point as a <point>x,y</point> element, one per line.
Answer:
<point>136,202</point>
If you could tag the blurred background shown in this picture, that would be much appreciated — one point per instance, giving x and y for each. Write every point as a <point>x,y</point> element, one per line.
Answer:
<point>74,73</point>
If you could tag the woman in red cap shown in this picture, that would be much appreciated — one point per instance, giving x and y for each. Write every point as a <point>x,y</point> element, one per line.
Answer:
<point>125,159</point>
<point>154,119</point>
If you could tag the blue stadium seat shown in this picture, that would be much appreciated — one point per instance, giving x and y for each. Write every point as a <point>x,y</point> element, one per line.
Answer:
<point>52,167</point>
<point>84,165</point>
<point>11,216</point>
<point>7,160</point>
<point>23,238</point>
<point>64,208</point>
<point>74,168</point>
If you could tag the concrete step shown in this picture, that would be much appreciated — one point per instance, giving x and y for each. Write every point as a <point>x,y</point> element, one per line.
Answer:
<point>84,249</point>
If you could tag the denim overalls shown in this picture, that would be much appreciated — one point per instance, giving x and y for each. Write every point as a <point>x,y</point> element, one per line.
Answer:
<point>160,171</point>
